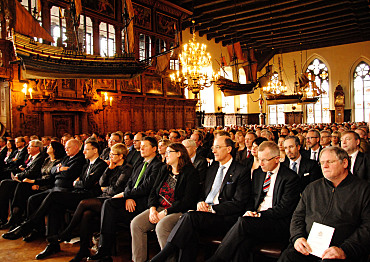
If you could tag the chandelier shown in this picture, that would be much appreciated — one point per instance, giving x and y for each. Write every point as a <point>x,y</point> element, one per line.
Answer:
<point>196,67</point>
<point>275,86</point>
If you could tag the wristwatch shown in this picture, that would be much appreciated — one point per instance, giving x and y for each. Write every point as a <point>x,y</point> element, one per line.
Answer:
<point>165,212</point>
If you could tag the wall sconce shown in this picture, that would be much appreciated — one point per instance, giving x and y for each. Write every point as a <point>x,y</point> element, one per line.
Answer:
<point>24,91</point>
<point>104,103</point>
<point>226,104</point>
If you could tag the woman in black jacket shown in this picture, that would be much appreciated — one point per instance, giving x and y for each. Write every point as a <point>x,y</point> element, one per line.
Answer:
<point>112,182</point>
<point>174,193</point>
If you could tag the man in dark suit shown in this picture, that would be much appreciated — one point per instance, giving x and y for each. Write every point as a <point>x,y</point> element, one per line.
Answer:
<point>275,191</point>
<point>114,139</point>
<point>134,151</point>
<point>3,151</point>
<point>308,170</point>
<point>313,143</point>
<point>202,150</point>
<point>359,162</point>
<point>18,160</point>
<point>31,171</point>
<point>55,204</point>
<point>199,162</point>
<point>124,206</point>
<point>226,196</point>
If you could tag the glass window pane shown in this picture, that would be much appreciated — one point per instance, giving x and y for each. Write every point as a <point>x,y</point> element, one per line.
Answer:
<point>361,86</point>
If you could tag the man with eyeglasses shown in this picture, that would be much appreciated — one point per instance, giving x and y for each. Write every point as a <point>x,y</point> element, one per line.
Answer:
<point>359,162</point>
<point>307,170</point>
<point>313,144</point>
<point>339,200</point>
<point>275,190</point>
<point>18,160</point>
<point>133,154</point>
<point>325,138</point>
<point>124,206</point>
<point>226,194</point>
<point>114,139</point>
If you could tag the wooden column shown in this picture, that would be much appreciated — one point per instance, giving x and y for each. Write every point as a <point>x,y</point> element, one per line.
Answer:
<point>96,36</point>
<point>48,127</point>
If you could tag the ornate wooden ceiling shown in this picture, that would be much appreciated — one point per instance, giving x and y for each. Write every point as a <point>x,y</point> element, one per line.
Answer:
<point>281,25</point>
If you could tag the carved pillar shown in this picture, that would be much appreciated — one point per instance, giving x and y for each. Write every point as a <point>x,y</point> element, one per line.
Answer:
<point>84,123</point>
<point>45,18</point>
<point>96,36</point>
<point>118,32</point>
<point>48,127</point>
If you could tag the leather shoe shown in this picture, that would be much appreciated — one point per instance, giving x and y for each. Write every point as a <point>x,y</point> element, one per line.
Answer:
<point>6,225</point>
<point>80,256</point>
<point>14,234</point>
<point>100,256</point>
<point>32,236</point>
<point>48,251</point>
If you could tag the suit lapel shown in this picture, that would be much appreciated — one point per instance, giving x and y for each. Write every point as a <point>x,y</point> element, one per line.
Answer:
<point>212,175</point>
<point>277,184</point>
<point>229,173</point>
<point>258,179</point>
<point>358,162</point>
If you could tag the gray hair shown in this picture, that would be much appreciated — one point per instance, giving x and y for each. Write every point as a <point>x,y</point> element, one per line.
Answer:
<point>339,152</point>
<point>272,146</point>
<point>190,142</point>
<point>37,143</point>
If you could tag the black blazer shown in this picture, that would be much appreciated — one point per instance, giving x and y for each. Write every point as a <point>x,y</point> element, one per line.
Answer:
<point>309,171</point>
<point>285,197</point>
<point>235,192</point>
<point>64,179</point>
<point>88,182</point>
<point>200,164</point>
<point>361,166</point>
<point>2,156</point>
<point>141,193</point>
<point>307,153</point>
<point>133,157</point>
<point>105,154</point>
<point>115,180</point>
<point>21,158</point>
<point>185,196</point>
<point>33,171</point>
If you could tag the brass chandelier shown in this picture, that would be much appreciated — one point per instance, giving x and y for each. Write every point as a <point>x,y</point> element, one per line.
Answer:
<point>196,67</point>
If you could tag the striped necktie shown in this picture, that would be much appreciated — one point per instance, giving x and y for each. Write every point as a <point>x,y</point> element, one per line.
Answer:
<point>266,183</point>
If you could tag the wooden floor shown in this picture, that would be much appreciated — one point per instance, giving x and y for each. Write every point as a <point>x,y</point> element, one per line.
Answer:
<point>18,250</point>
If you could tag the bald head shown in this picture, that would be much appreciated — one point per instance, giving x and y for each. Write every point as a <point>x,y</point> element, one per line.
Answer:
<point>72,147</point>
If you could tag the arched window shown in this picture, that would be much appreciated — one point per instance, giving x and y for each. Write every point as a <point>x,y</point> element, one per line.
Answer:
<point>319,112</point>
<point>361,84</point>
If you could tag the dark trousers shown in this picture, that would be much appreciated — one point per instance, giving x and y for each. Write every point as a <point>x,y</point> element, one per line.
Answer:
<point>7,189</point>
<point>185,234</point>
<point>114,212</point>
<point>292,255</point>
<point>247,232</point>
<point>54,205</point>
<point>88,210</point>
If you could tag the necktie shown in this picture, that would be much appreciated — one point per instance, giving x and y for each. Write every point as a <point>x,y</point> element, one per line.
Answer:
<point>216,185</point>
<point>248,153</point>
<point>89,168</point>
<point>294,167</point>
<point>141,174</point>
<point>314,156</point>
<point>29,161</point>
<point>266,183</point>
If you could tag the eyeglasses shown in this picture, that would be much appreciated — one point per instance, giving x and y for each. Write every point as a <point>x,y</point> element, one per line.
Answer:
<point>311,137</point>
<point>113,140</point>
<point>217,147</point>
<point>266,160</point>
<point>328,162</point>
<point>169,152</point>
<point>112,154</point>
<point>325,136</point>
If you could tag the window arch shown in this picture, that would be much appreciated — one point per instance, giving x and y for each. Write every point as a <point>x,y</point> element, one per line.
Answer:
<point>319,112</point>
<point>361,85</point>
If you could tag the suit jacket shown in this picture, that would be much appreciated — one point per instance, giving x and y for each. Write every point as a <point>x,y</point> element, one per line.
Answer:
<point>309,171</point>
<point>361,167</point>
<point>235,192</point>
<point>285,196</point>
<point>89,181</point>
<point>133,156</point>
<point>201,164</point>
<point>307,153</point>
<point>33,171</point>
<point>141,192</point>
<point>185,193</point>
<point>19,161</point>
<point>64,179</point>
<point>105,154</point>
<point>115,180</point>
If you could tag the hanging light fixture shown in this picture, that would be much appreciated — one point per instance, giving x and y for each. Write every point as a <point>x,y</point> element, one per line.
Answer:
<point>276,85</point>
<point>196,67</point>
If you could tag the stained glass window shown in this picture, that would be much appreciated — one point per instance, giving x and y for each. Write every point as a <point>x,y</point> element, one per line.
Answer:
<point>361,84</point>
<point>145,47</point>
<point>319,112</point>
<point>107,39</point>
